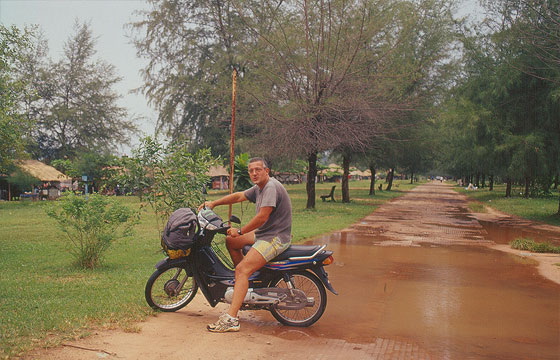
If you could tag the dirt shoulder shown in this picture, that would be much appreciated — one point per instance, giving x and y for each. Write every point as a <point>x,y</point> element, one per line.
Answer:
<point>183,335</point>
<point>548,264</point>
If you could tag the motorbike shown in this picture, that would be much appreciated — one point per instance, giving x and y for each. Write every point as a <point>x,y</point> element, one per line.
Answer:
<point>290,286</point>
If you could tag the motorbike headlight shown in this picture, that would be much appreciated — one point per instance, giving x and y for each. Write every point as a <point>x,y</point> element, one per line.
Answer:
<point>205,218</point>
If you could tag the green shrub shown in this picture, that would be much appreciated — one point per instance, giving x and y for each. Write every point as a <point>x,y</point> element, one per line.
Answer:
<point>545,248</point>
<point>521,244</point>
<point>91,224</point>
<point>242,180</point>
<point>166,177</point>
<point>531,245</point>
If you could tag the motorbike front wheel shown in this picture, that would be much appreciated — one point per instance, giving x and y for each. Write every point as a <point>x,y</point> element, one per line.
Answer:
<point>170,289</point>
<point>313,288</point>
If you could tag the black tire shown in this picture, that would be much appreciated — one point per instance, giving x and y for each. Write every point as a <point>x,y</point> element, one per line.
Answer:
<point>160,286</point>
<point>313,287</point>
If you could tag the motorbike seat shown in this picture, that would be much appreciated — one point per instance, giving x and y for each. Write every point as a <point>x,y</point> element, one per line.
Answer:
<point>292,251</point>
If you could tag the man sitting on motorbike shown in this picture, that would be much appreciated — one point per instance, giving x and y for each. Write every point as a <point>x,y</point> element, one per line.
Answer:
<point>269,234</point>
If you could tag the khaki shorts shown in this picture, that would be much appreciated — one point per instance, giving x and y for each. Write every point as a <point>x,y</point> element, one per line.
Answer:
<point>270,249</point>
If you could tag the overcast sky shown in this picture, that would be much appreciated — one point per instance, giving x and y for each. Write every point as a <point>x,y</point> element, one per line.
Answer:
<point>107,18</point>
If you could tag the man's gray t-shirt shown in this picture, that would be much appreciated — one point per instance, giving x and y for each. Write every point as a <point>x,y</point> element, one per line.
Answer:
<point>279,223</point>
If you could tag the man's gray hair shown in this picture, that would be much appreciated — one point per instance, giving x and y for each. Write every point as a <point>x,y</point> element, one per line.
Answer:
<point>255,159</point>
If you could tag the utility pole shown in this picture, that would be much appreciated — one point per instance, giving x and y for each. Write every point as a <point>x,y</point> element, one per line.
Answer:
<point>232,148</point>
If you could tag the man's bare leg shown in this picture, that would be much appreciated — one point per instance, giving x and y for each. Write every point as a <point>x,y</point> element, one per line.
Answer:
<point>252,262</point>
<point>236,244</point>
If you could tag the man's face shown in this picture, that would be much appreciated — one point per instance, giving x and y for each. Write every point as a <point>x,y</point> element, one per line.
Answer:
<point>258,174</point>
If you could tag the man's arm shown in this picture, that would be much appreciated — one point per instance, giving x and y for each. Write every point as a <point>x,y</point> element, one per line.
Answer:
<point>255,222</point>
<point>226,200</point>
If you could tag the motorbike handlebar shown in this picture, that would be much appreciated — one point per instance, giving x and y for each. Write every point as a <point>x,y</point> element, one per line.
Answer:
<point>223,229</point>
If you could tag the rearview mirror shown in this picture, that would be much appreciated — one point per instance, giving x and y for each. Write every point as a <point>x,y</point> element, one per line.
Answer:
<point>234,219</point>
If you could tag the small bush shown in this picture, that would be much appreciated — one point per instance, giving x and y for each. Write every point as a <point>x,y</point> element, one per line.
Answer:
<point>477,207</point>
<point>91,225</point>
<point>521,244</point>
<point>531,245</point>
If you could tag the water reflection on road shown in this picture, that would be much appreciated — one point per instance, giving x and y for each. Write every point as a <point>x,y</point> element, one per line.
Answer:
<point>456,302</point>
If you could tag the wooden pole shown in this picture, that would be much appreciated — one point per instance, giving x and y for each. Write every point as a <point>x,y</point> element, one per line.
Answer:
<point>232,150</point>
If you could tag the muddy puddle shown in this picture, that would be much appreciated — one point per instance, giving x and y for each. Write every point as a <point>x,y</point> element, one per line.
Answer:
<point>419,271</point>
<point>506,233</point>
<point>455,302</point>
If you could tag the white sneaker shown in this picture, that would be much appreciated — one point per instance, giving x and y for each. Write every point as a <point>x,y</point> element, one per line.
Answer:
<point>226,323</point>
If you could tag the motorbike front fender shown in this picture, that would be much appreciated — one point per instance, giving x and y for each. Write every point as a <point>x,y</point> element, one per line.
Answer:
<point>170,262</point>
<point>322,274</point>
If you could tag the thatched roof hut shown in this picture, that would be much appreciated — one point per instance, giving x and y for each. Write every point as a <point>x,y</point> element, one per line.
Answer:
<point>357,174</point>
<point>53,181</point>
<point>219,176</point>
<point>216,171</point>
<point>41,171</point>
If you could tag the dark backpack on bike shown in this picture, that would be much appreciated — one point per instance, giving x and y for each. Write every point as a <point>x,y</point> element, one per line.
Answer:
<point>179,232</point>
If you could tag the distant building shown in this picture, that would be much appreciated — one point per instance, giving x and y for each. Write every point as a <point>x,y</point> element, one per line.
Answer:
<point>356,174</point>
<point>52,181</point>
<point>334,173</point>
<point>219,177</point>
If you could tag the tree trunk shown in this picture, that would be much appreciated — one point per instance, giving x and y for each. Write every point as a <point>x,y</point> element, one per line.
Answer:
<point>556,181</point>
<point>412,177</point>
<point>391,174</point>
<point>477,180</point>
<point>311,175</point>
<point>527,183</point>
<point>508,187</point>
<point>346,174</point>
<point>491,183</point>
<point>372,182</point>
<point>483,182</point>
<point>558,213</point>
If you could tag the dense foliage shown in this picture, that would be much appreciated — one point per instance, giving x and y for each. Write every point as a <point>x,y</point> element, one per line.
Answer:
<point>167,177</point>
<point>501,120</point>
<point>314,75</point>
<point>71,102</point>
<point>13,125</point>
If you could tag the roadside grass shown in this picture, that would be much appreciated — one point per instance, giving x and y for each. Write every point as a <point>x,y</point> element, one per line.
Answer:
<point>45,299</point>
<point>531,245</point>
<point>477,207</point>
<point>538,209</point>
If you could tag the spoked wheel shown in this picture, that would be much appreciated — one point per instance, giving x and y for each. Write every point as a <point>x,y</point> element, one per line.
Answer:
<point>316,300</point>
<point>170,289</point>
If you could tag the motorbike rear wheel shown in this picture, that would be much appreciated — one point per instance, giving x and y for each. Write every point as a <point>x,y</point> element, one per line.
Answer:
<point>164,291</point>
<point>313,288</point>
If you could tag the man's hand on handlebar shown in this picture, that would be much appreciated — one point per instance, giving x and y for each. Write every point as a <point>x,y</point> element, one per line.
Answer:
<point>233,232</point>
<point>209,204</point>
